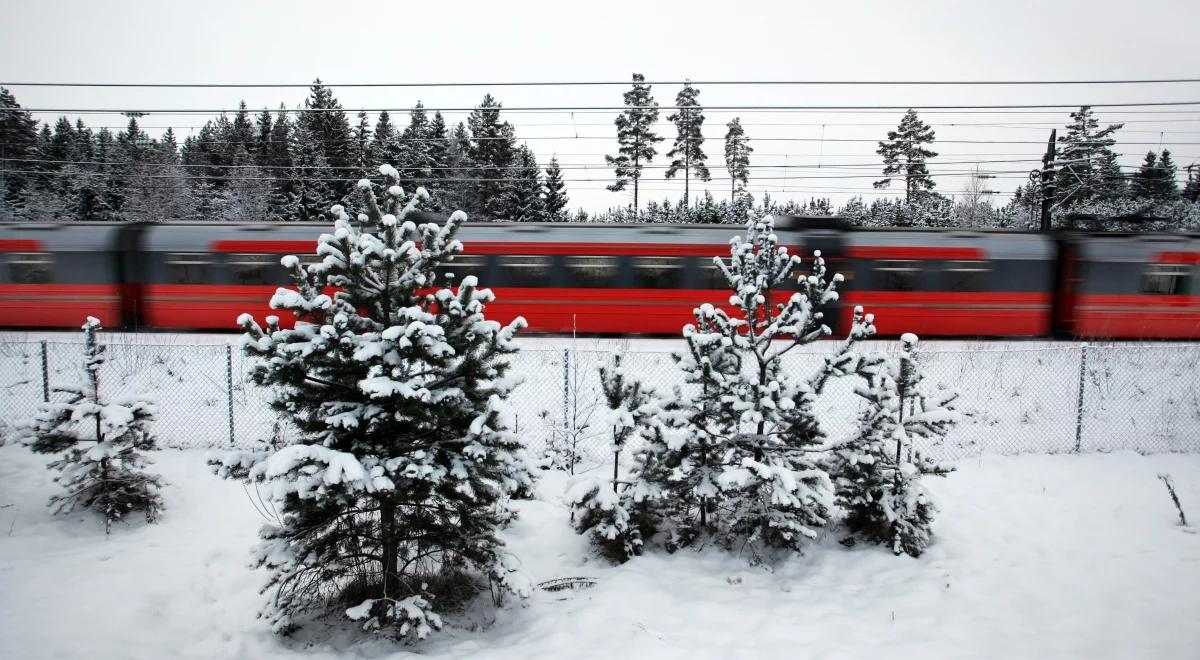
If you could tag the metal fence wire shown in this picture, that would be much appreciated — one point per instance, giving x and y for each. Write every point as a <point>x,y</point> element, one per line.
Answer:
<point>1062,398</point>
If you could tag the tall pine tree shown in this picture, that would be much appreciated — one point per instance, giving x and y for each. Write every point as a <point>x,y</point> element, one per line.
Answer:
<point>554,197</point>
<point>328,127</point>
<point>18,141</point>
<point>1089,170</point>
<point>635,137</point>
<point>522,198</point>
<point>688,150</point>
<point>492,152</point>
<point>737,158</point>
<point>904,156</point>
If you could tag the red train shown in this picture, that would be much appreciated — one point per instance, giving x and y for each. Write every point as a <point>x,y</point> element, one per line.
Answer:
<point>625,279</point>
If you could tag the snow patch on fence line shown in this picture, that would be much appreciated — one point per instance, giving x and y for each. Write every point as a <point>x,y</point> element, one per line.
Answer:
<point>1035,556</point>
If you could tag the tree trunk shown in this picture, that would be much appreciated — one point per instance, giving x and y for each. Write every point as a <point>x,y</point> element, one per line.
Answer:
<point>387,530</point>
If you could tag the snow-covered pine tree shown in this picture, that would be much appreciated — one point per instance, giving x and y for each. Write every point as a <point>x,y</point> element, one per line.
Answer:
<point>615,522</point>
<point>1090,171</point>
<point>101,443</point>
<point>415,160</point>
<point>310,177</point>
<point>877,472</point>
<point>554,195</point>
<point>737,158</point>
<point>361,134</point>
<point>384,145</point>
<point>635,137</point>
<point>904,156</point>
<point>688,151</point>
<point>1191,190</point>
<point>405,460</point>
<point>522,197</point>
<point>329,130</point>
<point>737,462</point>
<point>492,150</point>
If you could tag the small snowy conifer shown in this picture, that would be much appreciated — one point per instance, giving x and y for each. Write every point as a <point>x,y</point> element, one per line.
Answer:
<point>738,460</point>
<point>405,461</point>
<point>101,443</point>
<point>877,472</point>
<point>600,510</point>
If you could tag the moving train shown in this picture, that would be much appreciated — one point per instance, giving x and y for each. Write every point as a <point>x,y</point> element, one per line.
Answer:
<point>626,279</point>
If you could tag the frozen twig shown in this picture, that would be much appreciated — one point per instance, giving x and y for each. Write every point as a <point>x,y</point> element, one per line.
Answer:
<point>1166,479</point>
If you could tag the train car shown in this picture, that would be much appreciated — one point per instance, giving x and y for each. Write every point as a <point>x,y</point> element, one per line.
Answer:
<point>53,275</point>
<point>1118,287</point>
<point>952,283</point>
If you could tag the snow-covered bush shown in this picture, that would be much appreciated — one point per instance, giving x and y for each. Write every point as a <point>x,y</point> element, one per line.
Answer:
<point>404,463</point>
<point>599,510</point>
<point>737,458</point>
<point>101,443</point>
<point>877,472</point>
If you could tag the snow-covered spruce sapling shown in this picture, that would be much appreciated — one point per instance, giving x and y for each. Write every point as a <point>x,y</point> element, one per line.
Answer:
<point>101,443</point>
<point>404,462</point>
<point>878,471</point>
<point>603,508</point>
<point>738,460</point>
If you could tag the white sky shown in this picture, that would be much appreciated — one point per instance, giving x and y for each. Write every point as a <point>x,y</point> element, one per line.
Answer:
<point>254,42</point>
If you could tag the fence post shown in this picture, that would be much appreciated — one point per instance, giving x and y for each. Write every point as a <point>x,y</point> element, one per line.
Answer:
<point>566,386</point>
<point>45,374</point>
<point>1083,355</point>
<point>229,389</point>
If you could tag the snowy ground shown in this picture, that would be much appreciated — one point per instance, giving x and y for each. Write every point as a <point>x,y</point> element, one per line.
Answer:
<point>1075,556</point>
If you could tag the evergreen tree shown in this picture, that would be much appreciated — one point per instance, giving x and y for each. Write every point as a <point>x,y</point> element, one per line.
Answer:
<point>401,478</point>
<point>264,145</point>
<point>877,472</point>
<point>311,187</point>
<point>440,162</point>
<point>597,505</point>
<point>737,461</point>
<point>688,151</point>
<point>242,130</point>
<point>904,156</point>
<point>415,160</point>
<point>101,443</point>
<point>522,197</point>
<point>1191,191</point>
<point>737,158</point>
<point>635,137</point>
<point>554,197</point>
<point>18,141</point>
<point>1168,172</point>
<point>492,152</point>
<point>328,128</point>
<point>1089,170</point>
<point>362,144</point>
<point>384,146</point>
<point>281,201</point>
<point>1144,184</point>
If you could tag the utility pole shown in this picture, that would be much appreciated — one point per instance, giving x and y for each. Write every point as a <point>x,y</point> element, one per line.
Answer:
<point>637,172</point>
<point>1048,180</point>
<point>687,159</point>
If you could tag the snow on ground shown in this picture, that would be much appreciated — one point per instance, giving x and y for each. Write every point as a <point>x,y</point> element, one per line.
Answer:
<point>1065,556</point>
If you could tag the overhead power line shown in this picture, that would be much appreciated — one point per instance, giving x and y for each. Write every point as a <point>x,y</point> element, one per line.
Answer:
<point>587,83</point>
<point>617,108</point>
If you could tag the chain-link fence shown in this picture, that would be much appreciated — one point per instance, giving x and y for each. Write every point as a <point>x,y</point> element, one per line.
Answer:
<point>1060,398</point>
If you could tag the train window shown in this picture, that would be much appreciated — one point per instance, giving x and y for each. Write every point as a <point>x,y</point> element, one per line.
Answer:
<point>965,275</point>
<point>189,268</point>
<point>31,267</point>
<point>462,266</point>
<point>591,272</point>
<point>525,270</point>
<point>895,275</point>
<point>657,273</point>
<point>711,277</point>
<point>1166,279</point>
<point>255,269</point>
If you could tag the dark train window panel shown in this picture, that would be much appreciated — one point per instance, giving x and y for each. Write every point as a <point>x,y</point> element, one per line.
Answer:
<point>463,265</point>
<point>897,275</point>
<point>1166,279</point>
<point>189,268</point>
<point>711,277</point>
<point>966,275</point>
<point>591,272</point>
<point>525,271</point>
<point>256,269</point>
<point>31,267</point>
<point>657,273</point>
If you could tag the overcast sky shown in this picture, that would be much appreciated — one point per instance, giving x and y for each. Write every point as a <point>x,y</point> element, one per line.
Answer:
<point>256,42</point>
